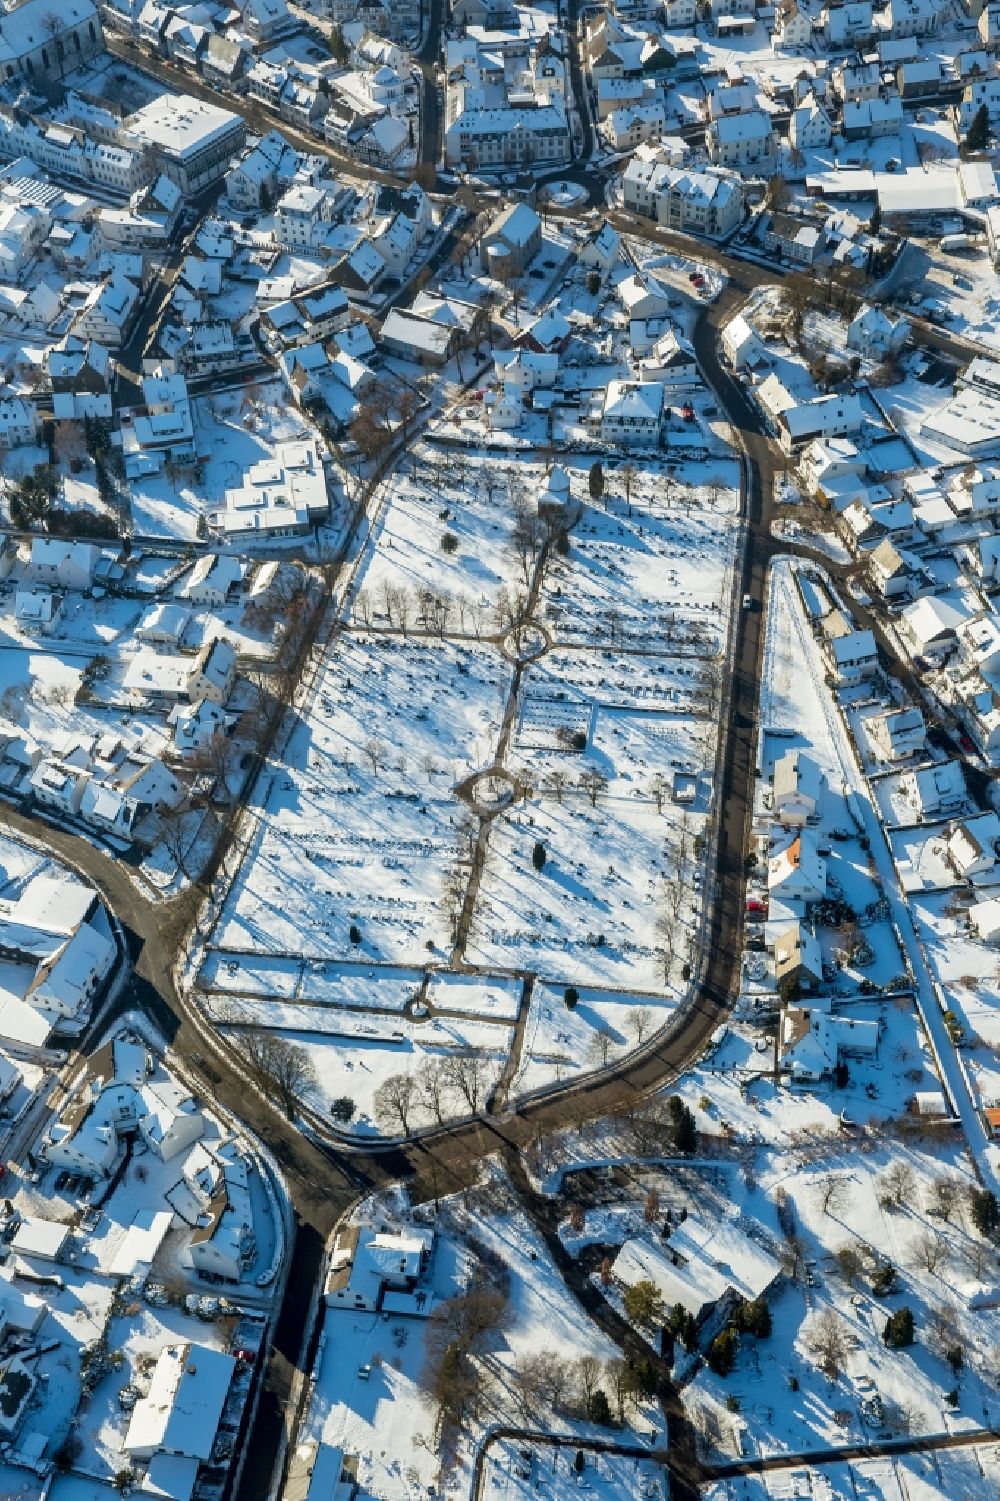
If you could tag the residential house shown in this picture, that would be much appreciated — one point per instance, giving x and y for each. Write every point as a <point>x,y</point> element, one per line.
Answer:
<point>742,345</point>
<point>179,1415</point>
<point>937,791</point>
<point>62,565</point>
<point>710,1267</point>
<point>918,18</point>
<point>710,203</point>
<point>212,1196</point>
<point>793,27</point>
<point>19,422</point>
<point>212,581</point>
<point>853,656</point>
<point>797,873</point>
<point>796,788</point>
<point>632,413</point>
<point>874,335</point>
<point>371,1263</point>
<point>798,963</point>
<point>792,239</point>
<point>929,626</point>
<point>898,734</point>
<point>972,847</point>
<point>745,143</point>
<point>810,127</point>
<point>871,119</point>
<point>108,313</point>
<point>813,1043</point>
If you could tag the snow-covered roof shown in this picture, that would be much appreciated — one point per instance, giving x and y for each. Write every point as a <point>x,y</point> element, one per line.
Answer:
<point>40,1237</point>
<point>179,125</point>
<point>181,1410</point>
<point>699,1264</point>
<point>930,619</point>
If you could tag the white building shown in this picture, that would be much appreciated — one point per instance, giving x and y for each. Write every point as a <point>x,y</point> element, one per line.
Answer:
<point>898,734</point>
<point>370,1261</point>
<point>109,311</point>
<point>124,1092</point>
<point>745,143</point>
<point>632,413</point>
<point>181,1411</point>
<point>710,203</point>
<point>191,141</point>
<point>19,424</point>
<point>797,873</point>
<point>971,848</point>
<point>874,334</point>
<point>742,345</point>
<point>62,565</point>
<point>213,1197</point>
<point>810,126</point>
<point>797,785</point>
<point>708,1266</point>
<point>280,496</point>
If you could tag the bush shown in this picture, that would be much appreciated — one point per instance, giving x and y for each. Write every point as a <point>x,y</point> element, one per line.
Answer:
<point>449,542</point>
<point>538,855</point>
<point>355,934</point>
<point>898,1332</point>
<point>579,741</point>
<point>732,1403</point>
<point>598,1410</point>
<point>884,1280</point>
<point>984,1210</point>
<point>683,1131</point>
<point>755,1318</point>
<point>571,995</point>
<point>644,1303</point>
<point>342,1109</point>
<point>721,1353</point>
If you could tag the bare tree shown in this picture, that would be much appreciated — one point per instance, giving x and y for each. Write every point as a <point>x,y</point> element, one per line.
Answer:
<point>395,1100</point>
<point>831,1194</point>
<point>178,839</point>
<point>599,1046</point>
<point>897,1184</point>
<point>944,1195</point>
<point>826,1340</point>
<point>929,1250</point>
<point>588,1377</point>
<point>432,1087</point>
<point>639,1023</point>
<point>468,1072</point>
<point>375,751</point>
<point>594,784</point>
<point>277,1066</point>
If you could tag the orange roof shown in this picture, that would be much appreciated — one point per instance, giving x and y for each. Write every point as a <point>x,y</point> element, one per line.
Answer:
<point>992,1114</point>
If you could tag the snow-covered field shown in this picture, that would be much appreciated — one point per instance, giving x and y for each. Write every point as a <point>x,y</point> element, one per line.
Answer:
<point>371,865</point>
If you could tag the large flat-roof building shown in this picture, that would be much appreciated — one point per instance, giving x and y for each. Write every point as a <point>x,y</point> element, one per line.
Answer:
<point>191,142</point>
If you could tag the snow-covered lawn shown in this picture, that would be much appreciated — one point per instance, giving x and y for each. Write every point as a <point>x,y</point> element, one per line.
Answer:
<point>361,825</point>
<point>362,866</point>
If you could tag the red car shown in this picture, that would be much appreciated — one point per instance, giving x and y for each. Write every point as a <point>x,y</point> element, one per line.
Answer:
<point>754,905</point>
